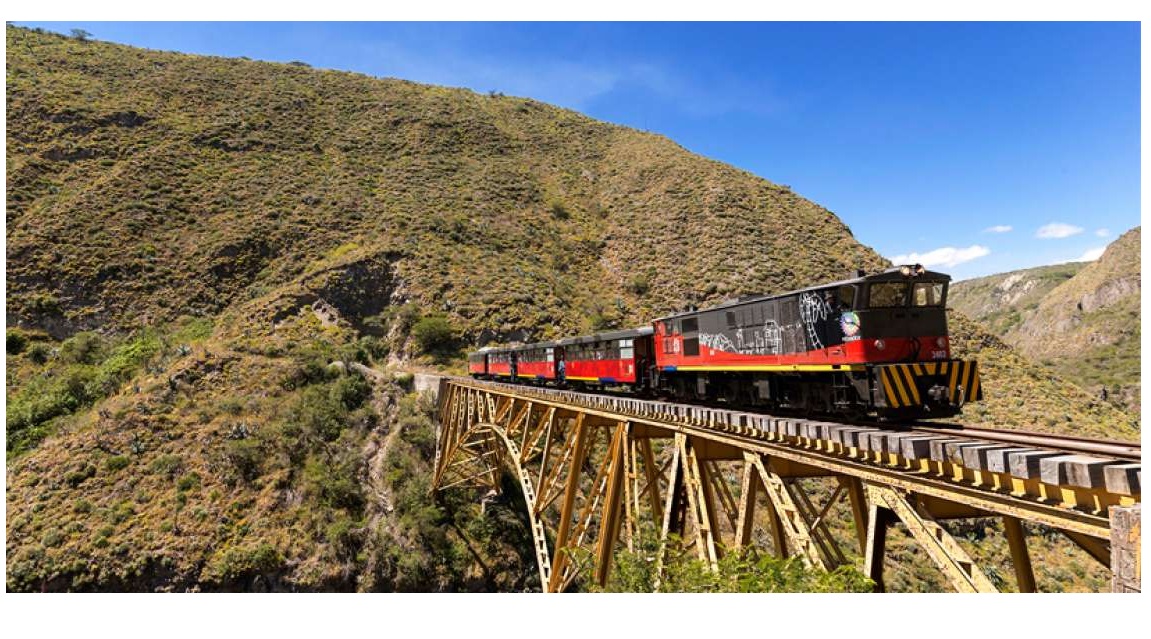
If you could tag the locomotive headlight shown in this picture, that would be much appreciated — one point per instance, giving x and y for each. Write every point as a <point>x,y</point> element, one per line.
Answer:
<point>919,270</point>
<point>940,342</point>
<point>905,271</point>
<point>880,345</point>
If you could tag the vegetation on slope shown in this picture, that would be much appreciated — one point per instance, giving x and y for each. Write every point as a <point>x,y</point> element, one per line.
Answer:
<point>231,470</point>
<point>1005,301</point>
<point>1080,320</point>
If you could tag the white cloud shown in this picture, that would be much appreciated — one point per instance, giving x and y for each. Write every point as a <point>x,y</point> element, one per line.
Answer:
<point>946,256</point>
<point>1102,232</point>
<point>998,228</point>
<point>1058,230</point>
<point>1091,255</point>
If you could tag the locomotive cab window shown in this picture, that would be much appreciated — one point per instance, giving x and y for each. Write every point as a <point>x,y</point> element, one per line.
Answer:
<point>927,294</point>
<point>846,296</point>
<point>888,294</point>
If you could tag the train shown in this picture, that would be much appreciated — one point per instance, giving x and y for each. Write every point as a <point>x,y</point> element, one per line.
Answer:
<point>870,346</point>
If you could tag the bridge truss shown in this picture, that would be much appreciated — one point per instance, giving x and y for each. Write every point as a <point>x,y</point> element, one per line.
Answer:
<point>596,469</point>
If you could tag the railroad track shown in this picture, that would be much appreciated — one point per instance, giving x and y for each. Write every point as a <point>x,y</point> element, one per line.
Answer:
<point>1059,460</point>
<point>1114,448</point>
<point>1085,445</point>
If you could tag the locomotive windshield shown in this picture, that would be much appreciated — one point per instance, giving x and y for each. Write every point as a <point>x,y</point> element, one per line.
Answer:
<point>927,294</point>
<point>896,294</point>
<point>888,294</point>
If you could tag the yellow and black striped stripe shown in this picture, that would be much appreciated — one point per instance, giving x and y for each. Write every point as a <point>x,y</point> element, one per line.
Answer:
<point>901,383</point>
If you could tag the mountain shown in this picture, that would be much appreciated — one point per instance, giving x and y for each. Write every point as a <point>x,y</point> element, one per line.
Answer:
<point>1004,301</point>
<point>192,241</point>
<point>1082,320</point>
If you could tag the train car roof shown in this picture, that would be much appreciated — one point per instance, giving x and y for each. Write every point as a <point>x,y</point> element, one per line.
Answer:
<point>630,333</point>
<point>892,274</point>
<point>528,347</point>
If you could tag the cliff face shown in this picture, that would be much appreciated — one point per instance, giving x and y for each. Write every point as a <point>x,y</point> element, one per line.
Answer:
<point>1082,320</point>
<point>191,240</point>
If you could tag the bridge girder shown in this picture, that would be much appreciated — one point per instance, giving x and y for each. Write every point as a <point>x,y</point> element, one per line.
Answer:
<point>705,483</point>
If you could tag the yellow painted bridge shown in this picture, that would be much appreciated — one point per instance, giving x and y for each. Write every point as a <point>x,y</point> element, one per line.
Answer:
<point>595,468</point>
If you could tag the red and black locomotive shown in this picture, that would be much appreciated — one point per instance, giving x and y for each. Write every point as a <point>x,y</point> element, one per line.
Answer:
<point>870,345</point>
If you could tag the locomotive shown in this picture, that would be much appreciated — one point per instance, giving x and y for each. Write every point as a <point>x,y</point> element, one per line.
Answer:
<point>872,345</point>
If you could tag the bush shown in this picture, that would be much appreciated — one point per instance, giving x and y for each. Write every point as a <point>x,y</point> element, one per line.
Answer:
<point>117,463</point>
<point>404,380</point>
<point>52,538</point>
<point>79,476</point>
<point>434,336</point>
<point>335,484</point>
<point>342,535</point>
<point>244,456</point>
<point>167,464</point>
<point>684,572</point>
<point>82,348</point>
<point>40,353</point>
<point>558,210</point>
<point>187,482</point>
<point>640,284</point>
<point>14,342</point>
<point>238,562</point>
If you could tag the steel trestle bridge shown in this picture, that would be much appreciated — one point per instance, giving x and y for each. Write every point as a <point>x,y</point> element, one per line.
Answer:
<point>594,467</point>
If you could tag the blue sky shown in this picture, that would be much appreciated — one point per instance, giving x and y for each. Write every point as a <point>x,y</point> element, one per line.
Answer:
<point>929,140</point>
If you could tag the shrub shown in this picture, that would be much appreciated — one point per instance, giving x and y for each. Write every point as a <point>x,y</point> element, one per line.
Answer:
<point>244,456</point>
<point>52,538</point>
<point>350,391</point>
<point>14,342</point>
<point>335,484</point>
<point>558,210</point>
<point>237,562</point>
<point>166,464</point>
<point>80,475</point>
<point>188,482</point>
<point>640,284</point>
<point>82,348</point>
<point>117,463</point>
<point>404,380</point>
<point>39,353</point>
<point>434,336</point>
<point>343,537</point>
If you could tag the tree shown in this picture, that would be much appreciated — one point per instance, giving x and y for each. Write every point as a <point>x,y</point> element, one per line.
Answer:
<point>81,34</point>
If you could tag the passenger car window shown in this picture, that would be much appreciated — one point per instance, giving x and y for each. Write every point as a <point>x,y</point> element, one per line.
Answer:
<point>888,294</point>
<point>928,294</point>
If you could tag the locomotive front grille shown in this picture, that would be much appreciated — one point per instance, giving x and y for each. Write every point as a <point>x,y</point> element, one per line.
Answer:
<point>919,383</point>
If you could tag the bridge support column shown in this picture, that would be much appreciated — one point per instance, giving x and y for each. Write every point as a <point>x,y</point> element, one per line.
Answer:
<point>1020,559</point>
<point>878,519</point>
<point>1125,555</point>
<point>941,547</point>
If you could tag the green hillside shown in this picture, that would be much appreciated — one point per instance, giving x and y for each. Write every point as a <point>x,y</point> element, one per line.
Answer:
<point>191,240</point>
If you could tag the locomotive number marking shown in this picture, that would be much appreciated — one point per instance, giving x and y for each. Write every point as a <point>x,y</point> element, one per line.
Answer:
<point>938,354</point>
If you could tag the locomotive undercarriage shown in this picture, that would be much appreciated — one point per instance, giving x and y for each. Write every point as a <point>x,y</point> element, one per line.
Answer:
<point>845,394</point>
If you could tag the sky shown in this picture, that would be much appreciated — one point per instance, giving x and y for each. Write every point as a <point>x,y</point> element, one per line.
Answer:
<point>972,148</point>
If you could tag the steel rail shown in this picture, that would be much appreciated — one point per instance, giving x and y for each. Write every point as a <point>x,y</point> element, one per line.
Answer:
<point>1118,449</point>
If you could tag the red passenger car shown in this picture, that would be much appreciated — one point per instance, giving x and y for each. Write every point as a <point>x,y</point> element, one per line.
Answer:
<point>478,364</point>
<point>502,363</point>
<point>608,359</point>
<point>537,361</point>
